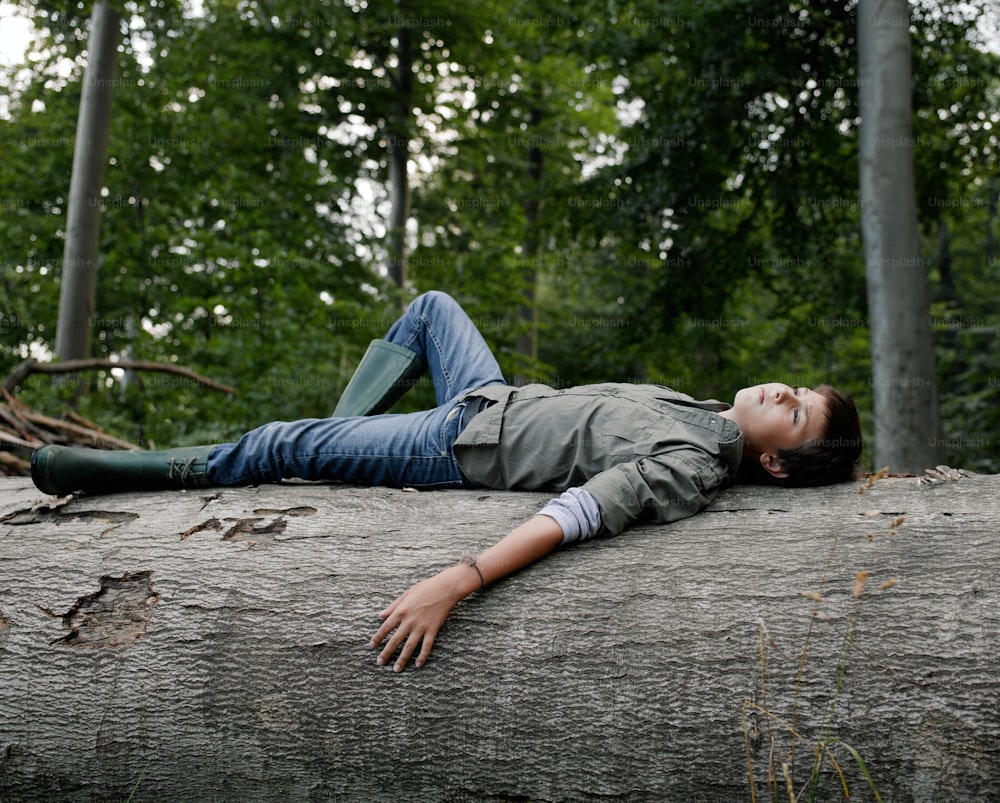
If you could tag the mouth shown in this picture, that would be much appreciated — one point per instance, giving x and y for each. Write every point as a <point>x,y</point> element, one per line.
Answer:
<point>761,394</point>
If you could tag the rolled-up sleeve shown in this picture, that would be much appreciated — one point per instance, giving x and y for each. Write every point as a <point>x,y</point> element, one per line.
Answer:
<point>659,489</point>
<point>577,514</point>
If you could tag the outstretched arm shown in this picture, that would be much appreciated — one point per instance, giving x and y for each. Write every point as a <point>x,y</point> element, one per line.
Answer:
<point>416,615</point>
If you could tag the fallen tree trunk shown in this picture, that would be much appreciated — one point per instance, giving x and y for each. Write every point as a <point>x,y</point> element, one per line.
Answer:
<point>213,645</point>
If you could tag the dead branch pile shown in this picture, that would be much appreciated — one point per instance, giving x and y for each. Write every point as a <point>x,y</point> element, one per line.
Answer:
<point>23,430</point>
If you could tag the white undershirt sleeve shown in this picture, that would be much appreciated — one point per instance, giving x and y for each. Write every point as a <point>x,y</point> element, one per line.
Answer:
<point>577,514</point>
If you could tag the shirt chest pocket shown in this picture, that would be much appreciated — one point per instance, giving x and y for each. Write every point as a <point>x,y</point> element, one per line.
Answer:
<point>622,442</point>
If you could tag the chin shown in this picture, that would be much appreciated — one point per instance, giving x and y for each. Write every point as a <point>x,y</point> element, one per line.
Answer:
<point>747,396</point>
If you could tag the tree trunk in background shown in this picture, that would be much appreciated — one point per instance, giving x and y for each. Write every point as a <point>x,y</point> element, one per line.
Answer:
<point>991,216</point>
<point>399,158</point>
<point>527,343</point>
<point>907,416</point>
<point>212,645</point>
<point>83,215</point>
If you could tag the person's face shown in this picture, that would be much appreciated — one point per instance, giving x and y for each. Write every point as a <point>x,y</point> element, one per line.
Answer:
<point>776,416</point>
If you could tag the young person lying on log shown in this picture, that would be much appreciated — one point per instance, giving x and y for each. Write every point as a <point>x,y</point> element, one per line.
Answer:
<point>619,453</point>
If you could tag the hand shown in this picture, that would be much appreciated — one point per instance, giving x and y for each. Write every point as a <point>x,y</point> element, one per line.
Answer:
<point>416,616</point>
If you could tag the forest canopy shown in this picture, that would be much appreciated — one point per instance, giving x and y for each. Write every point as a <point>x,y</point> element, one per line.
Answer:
<point>651,192</point>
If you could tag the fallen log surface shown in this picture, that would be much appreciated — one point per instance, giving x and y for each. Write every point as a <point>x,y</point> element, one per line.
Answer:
<point>212,645</point>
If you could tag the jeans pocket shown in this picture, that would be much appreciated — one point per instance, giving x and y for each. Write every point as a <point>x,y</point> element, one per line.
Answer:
<point>449,430</point>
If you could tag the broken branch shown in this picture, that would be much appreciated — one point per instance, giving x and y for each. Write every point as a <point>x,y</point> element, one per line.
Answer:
<point>25,369</point>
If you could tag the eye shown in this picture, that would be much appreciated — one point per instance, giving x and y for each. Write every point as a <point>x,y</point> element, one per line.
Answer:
<point>795,417</point>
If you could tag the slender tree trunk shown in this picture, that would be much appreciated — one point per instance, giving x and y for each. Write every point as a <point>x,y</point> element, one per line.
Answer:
<point>527,343</point>
<point>399,159</point>
<point>907,418</point>
<point>83,216</point>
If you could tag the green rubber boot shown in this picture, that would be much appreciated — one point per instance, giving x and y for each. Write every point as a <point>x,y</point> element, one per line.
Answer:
<point>382,377</point>
<point>61,470</point>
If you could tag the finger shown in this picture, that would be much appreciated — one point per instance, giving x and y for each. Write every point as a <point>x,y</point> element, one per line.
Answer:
<point>385,631</point>
<point>380,634</point>
<point>390,624</point>
<point>425,649</point>
<point>406,652</point>
<point>387,611</point>
<point>390,648</point>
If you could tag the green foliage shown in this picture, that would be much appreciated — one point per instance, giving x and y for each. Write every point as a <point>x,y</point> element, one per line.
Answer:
<point>219,249</point>
<point>658,192</point>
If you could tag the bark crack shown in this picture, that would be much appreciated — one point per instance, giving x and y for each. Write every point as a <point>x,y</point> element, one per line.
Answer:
<point>113,617</point>
<point>57,517</point>
<point>245,530</point>
<point>730,510</point>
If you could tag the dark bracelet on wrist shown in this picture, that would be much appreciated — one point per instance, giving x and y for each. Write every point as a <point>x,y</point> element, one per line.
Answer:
<point>470,560</point>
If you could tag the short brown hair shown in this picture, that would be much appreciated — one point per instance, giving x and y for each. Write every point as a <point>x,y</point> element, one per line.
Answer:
<point>833,458</point>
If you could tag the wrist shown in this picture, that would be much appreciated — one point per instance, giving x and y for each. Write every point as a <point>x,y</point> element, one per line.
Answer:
<point>470,561</point>
<point>465,579</point>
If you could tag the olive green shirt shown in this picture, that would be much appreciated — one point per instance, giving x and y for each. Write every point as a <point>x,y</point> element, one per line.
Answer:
<point>644,452</point>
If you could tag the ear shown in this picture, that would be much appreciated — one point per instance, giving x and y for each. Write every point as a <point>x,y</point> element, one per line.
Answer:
<point>772,466</point>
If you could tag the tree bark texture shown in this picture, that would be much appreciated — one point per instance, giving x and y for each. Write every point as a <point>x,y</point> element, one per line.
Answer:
<point>83,213</point>
<point>907,416</point>
<point>212,645</point>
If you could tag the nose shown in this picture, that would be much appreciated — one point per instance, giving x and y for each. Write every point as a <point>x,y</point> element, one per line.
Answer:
<point>782,392</point>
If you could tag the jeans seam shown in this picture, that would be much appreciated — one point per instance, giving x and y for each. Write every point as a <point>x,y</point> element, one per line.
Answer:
<point>445,373</point>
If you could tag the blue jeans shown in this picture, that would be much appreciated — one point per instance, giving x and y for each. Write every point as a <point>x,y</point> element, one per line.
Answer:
<point>412,450</point>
